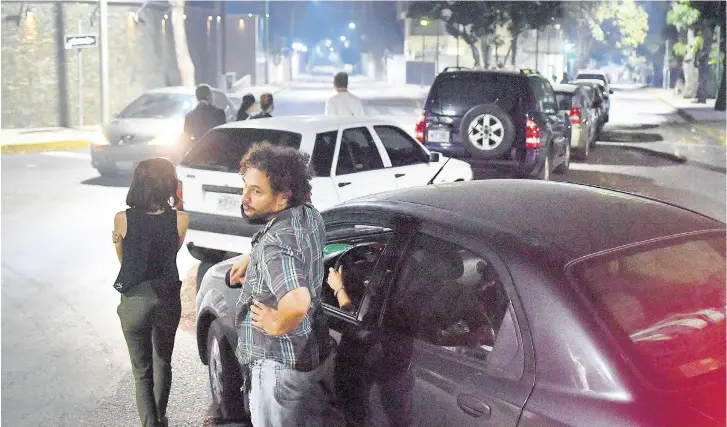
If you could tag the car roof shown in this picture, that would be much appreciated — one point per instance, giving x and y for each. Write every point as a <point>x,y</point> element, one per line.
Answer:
<point>576,219</point>
<point>591,72</point>
<point>305,123</point>
<point>568,88</point>
<point>182,90</point>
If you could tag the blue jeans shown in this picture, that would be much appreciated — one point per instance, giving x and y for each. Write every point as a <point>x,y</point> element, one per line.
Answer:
<point>282,397</point>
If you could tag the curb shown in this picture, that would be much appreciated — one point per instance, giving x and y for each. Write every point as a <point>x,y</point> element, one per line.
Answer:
<point>36,147</point>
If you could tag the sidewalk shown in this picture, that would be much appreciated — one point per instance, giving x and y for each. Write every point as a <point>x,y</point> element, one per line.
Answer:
<point>688,109</point>
<point>46,139</point>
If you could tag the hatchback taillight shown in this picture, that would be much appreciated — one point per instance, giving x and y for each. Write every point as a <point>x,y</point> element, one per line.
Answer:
<point>532,134</point>
<point>180,198</point>
<point>420,128</point>
<point>575,116</point>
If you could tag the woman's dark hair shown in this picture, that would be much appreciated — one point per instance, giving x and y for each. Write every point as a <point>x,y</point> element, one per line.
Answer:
<point>287,169</point>
<point>247,102</point>
<point>154,185</point>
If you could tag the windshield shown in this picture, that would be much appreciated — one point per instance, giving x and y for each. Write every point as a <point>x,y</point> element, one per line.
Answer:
<point>222,149</point>
<point>591,77</point>
<point>667,301</point>
<point>457,94</point>
<point>158,106</point>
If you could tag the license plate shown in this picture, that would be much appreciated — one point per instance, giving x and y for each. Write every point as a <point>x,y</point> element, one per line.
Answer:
<point>229,203</point>
<point>438,135</point>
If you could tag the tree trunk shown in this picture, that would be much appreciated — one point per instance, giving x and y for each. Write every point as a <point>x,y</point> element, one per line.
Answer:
<point>184,61</point>
<point>475,53</point>
<point>703,64</point>
<point>486,46</point>
<point>719,103</point>
<point>689,66</point>
<point>514,48</point>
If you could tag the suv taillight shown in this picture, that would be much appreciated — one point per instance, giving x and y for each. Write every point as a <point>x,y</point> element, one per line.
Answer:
<point>420,128</point>
<point>575,116</point>
<point>180,204</point>
<point>532,134</point>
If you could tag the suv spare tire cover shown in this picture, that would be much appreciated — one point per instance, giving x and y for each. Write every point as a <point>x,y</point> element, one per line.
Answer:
<point>487,131</point>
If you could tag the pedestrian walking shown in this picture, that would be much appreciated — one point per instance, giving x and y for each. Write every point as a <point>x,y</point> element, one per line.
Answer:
<point>343,103</point>
<point>246,108</point>
<point>283,345</point>
<point>267,106</point>
<point>147,237</point>
<point>204,117</point>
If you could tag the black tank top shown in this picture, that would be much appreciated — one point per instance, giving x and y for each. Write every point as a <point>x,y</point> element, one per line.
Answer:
<point>150,251</point>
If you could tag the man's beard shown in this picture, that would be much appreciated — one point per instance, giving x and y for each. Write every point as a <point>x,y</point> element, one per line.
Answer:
<point>255,219</point>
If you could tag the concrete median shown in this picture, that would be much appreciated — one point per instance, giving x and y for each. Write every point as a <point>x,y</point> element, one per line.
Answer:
<point>18,141</point>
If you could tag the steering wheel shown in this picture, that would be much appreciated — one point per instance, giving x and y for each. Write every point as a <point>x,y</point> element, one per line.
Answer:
<point>359,253</point>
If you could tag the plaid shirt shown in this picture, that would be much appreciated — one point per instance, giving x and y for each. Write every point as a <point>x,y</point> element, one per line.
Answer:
<point>286,254</point>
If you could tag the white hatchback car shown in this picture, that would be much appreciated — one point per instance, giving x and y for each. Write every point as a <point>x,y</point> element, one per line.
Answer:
<point>350,156</point>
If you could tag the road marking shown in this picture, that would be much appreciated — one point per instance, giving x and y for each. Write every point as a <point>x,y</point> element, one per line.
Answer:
<point>67,155</point>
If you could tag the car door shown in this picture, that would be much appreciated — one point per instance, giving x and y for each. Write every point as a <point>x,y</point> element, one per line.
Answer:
<point>410,164</point>
<point>451,318</point>
<point>359,166</point>
<point>324,192</point>
<point>558,123</point>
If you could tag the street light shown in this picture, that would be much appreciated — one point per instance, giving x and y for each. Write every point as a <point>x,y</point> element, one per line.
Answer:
<point>423,23</point>
<point>352,25</point>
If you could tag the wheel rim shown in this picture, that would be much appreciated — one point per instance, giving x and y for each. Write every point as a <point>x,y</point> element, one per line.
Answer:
<point>215,370</point>
<point>486,132</point>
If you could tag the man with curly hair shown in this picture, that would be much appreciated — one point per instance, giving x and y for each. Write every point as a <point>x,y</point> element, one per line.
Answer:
<point>283,343</point>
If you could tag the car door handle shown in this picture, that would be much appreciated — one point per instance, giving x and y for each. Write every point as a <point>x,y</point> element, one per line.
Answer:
<point>190,176</point>
<point>343,184</point>
<point>473,406</point>
<point>399,175</point>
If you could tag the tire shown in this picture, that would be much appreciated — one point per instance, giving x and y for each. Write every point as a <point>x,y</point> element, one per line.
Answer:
<point>228,404</point>
<point>562,168</point>
<point>107,172</point>
<point>487,132</point>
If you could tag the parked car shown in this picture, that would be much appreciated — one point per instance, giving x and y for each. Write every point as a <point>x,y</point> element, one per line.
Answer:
<point>595,92</point>
<point>350,157</point>
<point>149,126</point>
<point>511,303</point>
<point>574,100</point>
<point>599,76</point>
<point>505,120</point>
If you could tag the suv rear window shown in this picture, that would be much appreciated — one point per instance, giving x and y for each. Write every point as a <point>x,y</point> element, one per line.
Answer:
<point>222,149</point>
<point>456,94</point>
<point>666,300</point>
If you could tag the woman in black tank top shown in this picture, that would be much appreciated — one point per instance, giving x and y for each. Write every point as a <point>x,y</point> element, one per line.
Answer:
<point>147,237</point>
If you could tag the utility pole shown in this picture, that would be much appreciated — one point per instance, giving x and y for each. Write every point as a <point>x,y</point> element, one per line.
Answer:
<point>667,77</point>
<point>537,45</point>
<point>104,59</point>
<point>267,41</point>
<point>79,59</point>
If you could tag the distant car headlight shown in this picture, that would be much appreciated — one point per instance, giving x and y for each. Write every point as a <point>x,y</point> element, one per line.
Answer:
<point>100,138</point>
<point>165,139</point>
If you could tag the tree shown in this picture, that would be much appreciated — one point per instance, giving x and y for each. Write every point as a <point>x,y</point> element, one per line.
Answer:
<point>521,16</point>
<point>711,14</point>
<point>184,61</point>
<point>719,103</point>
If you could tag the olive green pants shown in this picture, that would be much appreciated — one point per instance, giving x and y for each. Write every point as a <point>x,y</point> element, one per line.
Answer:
<point>149,324</point>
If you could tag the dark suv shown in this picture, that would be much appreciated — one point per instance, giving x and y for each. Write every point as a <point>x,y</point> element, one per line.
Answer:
<point>504,120</point>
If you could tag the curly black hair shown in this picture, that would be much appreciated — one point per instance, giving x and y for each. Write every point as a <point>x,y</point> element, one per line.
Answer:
<point>287,169</point>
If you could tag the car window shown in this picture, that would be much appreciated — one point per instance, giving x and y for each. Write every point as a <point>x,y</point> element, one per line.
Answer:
<point>549,102</point>
<point>323,151</point>
<point>592,77</point>
<point>400,147</point>
<point>565,100</point>
<point>158,106</point>
<point>222,149</point>
<point>667,301</point>
<point>457,94</point>
<point>449,297</point>
<point>358,152</point>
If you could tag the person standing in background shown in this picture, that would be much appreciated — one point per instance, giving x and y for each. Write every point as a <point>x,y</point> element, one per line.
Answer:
<point>343,103</point>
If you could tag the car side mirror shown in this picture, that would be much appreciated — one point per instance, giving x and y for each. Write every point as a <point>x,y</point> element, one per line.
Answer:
<point>434,157</point>
<point>610,91</point>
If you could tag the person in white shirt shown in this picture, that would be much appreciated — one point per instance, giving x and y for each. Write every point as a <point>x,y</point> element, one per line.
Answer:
<point>343,103</point>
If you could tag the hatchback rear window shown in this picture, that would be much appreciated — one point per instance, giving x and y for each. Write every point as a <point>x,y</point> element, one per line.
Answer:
<point>455,95</point>
<point>564,99</point>
<point>222,149</point>
<point>667,302</point>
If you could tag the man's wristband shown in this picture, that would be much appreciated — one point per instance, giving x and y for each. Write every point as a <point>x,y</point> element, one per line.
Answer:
<point>335,294</point>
